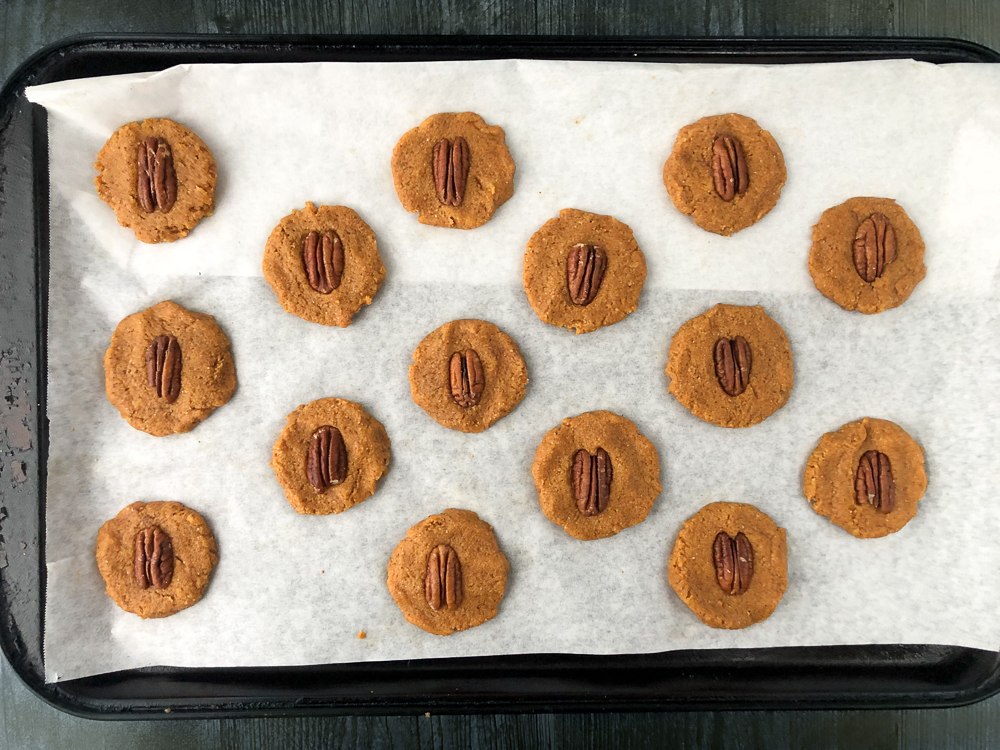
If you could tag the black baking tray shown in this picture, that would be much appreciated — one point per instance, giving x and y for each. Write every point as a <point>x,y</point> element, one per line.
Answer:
<point>817,677</point>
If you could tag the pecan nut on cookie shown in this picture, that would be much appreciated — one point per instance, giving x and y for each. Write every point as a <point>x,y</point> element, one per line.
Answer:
<point>725,172</point>
<point>330,456</point>
<point>731,366</point>
<point>156,558</point>
<point>324,264</point>
<point>596,475</point>
<point>159,178</point>
<point>583,271</point>
<point>448,574</point>
<point>168,368</point>
<point>867,255</point>
<point>467,374</point>
<point>867,477</point>
<point>729,565</point>
<point>453,170</point>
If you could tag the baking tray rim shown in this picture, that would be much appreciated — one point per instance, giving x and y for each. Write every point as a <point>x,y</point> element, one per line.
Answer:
<point>784,50</point>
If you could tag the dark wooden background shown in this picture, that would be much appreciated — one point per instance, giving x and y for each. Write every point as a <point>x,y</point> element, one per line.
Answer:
<point>28,25</point>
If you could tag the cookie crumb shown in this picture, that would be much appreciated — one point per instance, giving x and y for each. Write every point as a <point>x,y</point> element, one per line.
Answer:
<point>362,635</point>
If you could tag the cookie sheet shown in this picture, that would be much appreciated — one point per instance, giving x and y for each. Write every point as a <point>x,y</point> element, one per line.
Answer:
<point>293,589</point>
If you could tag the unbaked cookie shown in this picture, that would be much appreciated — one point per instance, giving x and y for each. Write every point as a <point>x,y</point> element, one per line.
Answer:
<point>866,477</point>
<point>453,170</point>
<point>596,475</point>
<point>725,172</point>
<point>467,374</point>
<point>168,368</point>
<point>867,255</point>
<point>448,574</point>
<point>156,558</point>
<point>731,366</point>
<point>583,271</point>
<point>330,456</point>
<point>323,264</point>
<point>159,178</point>
<point>729,565</point>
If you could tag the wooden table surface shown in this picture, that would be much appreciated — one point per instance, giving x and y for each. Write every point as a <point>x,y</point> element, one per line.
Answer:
<point>28,25</point>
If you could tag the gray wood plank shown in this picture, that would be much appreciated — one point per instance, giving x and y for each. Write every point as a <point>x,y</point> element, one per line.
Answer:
<point>26,723</point>
<point>29,25</point>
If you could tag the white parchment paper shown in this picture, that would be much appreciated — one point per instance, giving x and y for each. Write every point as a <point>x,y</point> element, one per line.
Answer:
<point>293,589</point>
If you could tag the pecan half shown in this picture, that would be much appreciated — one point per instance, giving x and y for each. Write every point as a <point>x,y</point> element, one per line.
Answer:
<point>156,182</point>
<point>326,462</point>
<point>732,364</point>
<point>733,559</point>
<point>163,367</point>
<point>467,379</point>
<point>323,257</point>
<point>729,168</point>
<point>873,482</point>
<point>154,558</point>
<point>874,247</point>
<point>585,268</point>
<point>443,581</point>
<point>592,477</point>
<point>451,170</point>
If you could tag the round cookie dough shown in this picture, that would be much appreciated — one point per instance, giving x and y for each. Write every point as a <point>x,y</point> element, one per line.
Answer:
<point>208,375</point>
<point>635,482</point>
<point>545,280</point>
<point>285,270</point>
<point>687,174</point>
<point>194,166</point>
<point>832,468</point>
<point>194,555</point>
<point>491,170</point>
<point>483,570</point>
<point>504,373</point>
<point>831,259</point>
<point>367,447</point>
<point>691,366</point>
<point>691,570</point>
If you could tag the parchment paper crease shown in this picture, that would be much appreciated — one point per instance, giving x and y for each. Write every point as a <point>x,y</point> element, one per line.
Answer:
<point>292,589</point>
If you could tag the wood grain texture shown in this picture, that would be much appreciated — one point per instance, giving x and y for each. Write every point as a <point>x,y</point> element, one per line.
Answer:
<point>26,26</point>
<point>29,25</point>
